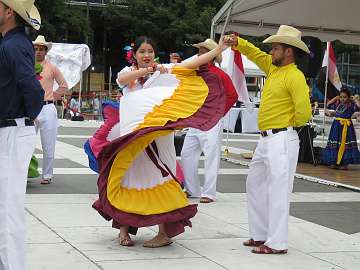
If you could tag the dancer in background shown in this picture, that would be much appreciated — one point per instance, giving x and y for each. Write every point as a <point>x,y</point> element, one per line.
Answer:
<point>207,142</point>
<point>47,120</point>
<point>342,149</point>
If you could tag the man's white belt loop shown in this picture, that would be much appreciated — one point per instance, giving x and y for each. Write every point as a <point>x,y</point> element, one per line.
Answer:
<point>20,122</point>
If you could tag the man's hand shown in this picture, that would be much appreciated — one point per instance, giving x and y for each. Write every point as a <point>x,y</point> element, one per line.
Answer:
<point>231,40</point>
<point>222,45</point>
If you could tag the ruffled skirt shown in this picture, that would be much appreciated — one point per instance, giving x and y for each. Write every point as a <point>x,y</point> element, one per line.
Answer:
<point>137,165</point>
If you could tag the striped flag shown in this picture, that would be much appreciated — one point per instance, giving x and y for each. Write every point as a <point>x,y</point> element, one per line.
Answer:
<point>330,62</point>
<point>235,69</point>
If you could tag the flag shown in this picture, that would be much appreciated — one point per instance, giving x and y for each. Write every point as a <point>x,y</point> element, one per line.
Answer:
<point>330,62</point>
<point>235,69</point>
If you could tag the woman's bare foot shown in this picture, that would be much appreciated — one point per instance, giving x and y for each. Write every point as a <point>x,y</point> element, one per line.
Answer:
<point>159,240</point>
<point>125,240</point>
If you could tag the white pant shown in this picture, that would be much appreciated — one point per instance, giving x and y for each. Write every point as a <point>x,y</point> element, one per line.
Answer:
<point>269,185</point>
<point>208,142</point>
<point>16,147</point>
<point>48,125</point>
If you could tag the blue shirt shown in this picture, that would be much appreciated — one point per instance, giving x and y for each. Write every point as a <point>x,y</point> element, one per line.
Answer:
<point>21,94</point>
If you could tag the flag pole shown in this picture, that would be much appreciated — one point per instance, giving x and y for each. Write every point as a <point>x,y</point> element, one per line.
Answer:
<point>226,21</point>
<point>226,151</point>
<point>326,87</point>
<point>80,89</point>
<point>110,86</point>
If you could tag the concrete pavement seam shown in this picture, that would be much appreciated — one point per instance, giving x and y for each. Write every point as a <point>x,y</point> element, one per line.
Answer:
<point>203,256</point>
<point>311,255</point>
<point>51,229</point>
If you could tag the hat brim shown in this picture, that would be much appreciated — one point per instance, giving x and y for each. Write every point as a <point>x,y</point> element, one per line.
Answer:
<point>24,14</point>
<point>48,45</point>
<point>35,18</point>
<point>289,41</point>
<point>218,58</point>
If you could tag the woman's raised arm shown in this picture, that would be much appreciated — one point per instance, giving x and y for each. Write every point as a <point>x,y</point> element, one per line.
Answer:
<point>204,58</point>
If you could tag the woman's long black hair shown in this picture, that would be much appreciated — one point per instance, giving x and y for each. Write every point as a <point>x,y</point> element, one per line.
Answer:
<point>143,39</point>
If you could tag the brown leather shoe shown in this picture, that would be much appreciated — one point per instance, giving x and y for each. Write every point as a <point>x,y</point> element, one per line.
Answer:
<point>206,200</point>
<point>252,243</point>
<point>46,181</point>
<point>267,250</point>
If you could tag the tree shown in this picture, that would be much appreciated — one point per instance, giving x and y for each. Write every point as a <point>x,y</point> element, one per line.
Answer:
<point>172,23</point>
<point>60,22</point>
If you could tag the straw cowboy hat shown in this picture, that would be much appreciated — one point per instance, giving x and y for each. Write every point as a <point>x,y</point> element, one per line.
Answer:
<point>210,45</point>
<point>40,41</point>
<point>288,35</point>
<point>35,18</point>
<point>25,9</point>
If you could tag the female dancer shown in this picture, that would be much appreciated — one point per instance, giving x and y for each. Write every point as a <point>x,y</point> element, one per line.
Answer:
<point>137,183</point>
<point>341,149</point>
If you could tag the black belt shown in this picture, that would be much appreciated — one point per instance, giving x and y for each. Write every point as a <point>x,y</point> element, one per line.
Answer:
<point>12,123</point>
<point>46,102</point>
<point>274,131</point>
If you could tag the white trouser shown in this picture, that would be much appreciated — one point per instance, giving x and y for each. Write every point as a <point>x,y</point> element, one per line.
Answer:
<point>16,147</point>
<point>269,185</point>
<point>48,125</point>
<point>208,142</point>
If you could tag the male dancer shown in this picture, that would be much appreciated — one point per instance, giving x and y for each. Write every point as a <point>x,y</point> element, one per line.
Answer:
<point>21,100</point>
<point>47,119</point>
<point>285,103</point>
<point>208,142</point>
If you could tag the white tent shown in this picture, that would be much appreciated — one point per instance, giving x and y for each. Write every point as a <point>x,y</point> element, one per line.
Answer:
<point>328,20</point>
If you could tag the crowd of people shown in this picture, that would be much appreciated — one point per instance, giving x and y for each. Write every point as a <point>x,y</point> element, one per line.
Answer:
<point>134,152</point>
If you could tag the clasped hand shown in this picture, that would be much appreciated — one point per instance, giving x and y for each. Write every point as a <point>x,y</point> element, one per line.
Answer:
<point>230,40</point>
<point>156,67</point>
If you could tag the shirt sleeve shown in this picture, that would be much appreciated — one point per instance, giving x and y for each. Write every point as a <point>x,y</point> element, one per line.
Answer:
<point>300,93</point>
<point>22,63</point>
<point>260,58</point>
<point>60,80</point>
<point>124,70</point>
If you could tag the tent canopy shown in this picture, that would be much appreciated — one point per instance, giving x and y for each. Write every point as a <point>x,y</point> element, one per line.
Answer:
<point>328,20</point>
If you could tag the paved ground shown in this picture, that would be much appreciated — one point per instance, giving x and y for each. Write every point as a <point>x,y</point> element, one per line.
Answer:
<point>65,233</point>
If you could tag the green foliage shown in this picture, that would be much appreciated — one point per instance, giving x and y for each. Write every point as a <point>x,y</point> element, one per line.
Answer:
<point>172,23</point>
<point>60,21</point>
<point>340,47</point>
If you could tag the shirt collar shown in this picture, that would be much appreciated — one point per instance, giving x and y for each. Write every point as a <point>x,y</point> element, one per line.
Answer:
<point>291,65</point>
<point>18,29</point>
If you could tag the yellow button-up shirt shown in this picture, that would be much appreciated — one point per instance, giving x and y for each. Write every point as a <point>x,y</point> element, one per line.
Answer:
<point>285,100</point>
